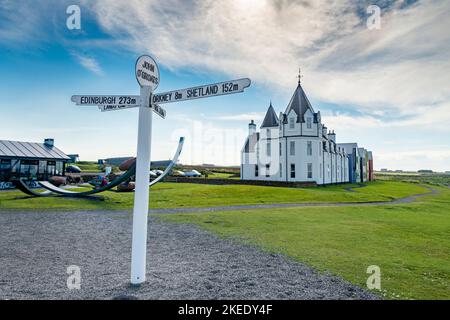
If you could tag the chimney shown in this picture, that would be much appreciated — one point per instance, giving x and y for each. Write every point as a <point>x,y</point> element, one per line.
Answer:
<point>324,131</point>
<point>49,142</point>
<point>332,136</point>
<point>251,128</point>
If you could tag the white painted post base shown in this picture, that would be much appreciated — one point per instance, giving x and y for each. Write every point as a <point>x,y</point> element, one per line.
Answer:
<point>141,195</point>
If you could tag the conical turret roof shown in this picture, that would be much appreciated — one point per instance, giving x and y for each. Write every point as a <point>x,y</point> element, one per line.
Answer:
<point>271,118</point>
<point>299,103</point>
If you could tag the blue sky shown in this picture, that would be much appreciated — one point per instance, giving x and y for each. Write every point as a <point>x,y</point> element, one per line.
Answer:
<point>387,89</point>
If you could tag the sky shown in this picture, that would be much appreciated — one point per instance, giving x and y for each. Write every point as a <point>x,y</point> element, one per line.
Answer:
<point>383,83</point>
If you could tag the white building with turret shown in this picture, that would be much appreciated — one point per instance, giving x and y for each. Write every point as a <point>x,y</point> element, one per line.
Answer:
<point>294,146</point>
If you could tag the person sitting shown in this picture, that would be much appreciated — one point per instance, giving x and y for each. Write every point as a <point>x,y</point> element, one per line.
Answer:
<point>104,182</point>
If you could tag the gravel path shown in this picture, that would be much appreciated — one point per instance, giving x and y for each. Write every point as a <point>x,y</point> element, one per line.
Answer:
<point>352,189</point>
<point>184,262</point>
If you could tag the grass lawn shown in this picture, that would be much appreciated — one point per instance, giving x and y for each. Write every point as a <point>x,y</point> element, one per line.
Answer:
<point>219,175</point>
<point>87,166</point>
<point>409,242</point>
<point>172,195</point>
<point>429,178</point>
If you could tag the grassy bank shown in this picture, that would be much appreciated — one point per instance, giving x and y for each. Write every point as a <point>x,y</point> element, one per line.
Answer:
<point>88,166</point>
<point>409,242</point>
<point>172,195</point>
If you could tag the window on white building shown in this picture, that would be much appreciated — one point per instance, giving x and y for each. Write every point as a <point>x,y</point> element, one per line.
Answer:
<point>320,148</point>
<point>320,173</point>
<point>267,170</point>
<point>309,148</point>
<point>310,171</point>
<point>292,170</point>
<point>281,170</point>
<point>280,148</point>
<point>268,151</point>
<point>309,123</point>
<point>291,123</point>
<point>268,133</point>
<point>256,170</point>
<point>292,148</point>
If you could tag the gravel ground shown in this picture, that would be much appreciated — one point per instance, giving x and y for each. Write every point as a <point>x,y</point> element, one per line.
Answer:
<point>184,262</point>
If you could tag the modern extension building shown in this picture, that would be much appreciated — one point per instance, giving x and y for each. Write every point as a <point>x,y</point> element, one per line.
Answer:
<point>354,159</point>
<point>30,160</point>
<point>295,146</point>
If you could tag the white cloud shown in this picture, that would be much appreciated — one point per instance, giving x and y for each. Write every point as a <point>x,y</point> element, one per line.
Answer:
<point>397,79</point>
<point>90,64</point>
<point>399,68</point>
<point>19,23</point>
<point>434,118</point>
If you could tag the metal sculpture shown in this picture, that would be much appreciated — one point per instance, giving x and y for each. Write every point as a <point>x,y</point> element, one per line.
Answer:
<point>52,189</point>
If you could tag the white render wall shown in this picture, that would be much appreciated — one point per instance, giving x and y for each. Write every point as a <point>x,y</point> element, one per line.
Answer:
<point>327,166</point>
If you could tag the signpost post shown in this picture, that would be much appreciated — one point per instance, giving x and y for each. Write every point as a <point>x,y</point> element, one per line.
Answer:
<point>147,75</point>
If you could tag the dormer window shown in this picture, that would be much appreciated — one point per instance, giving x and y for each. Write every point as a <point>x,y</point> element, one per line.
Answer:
<point>291,123</point>
<point>309,123</point>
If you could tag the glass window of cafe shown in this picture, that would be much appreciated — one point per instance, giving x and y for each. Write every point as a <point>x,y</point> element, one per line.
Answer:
<point>29,169</point>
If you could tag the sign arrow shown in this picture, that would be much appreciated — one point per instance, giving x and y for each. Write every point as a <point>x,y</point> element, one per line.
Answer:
<point>158,110</point>
<point>205,91</point>
<point>114,107</point>
<point>97,100</point>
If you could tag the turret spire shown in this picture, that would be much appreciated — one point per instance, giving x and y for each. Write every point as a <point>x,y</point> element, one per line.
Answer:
<point>299,75</point>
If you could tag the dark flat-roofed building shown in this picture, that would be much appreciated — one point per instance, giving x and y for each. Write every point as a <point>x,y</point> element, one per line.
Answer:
<point>30,160</point>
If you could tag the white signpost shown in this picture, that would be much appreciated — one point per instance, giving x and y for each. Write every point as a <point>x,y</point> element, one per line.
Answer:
<point>147,75</point>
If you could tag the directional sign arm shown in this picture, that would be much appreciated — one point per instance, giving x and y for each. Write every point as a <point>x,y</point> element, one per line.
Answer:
<point>158,110</point>
<point>205,91</point>
<point>99,100</point>
<point>114,107</point>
